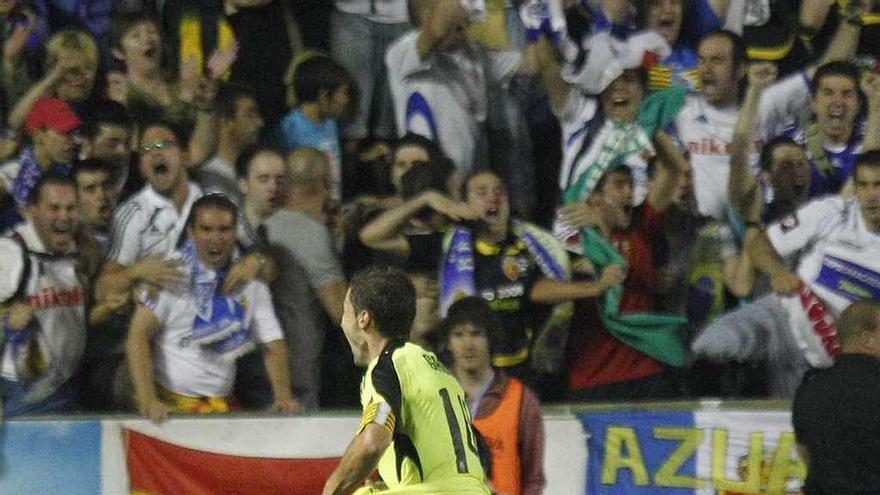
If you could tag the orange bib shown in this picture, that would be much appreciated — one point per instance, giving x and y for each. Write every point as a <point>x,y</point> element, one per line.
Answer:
<point>501,431</point>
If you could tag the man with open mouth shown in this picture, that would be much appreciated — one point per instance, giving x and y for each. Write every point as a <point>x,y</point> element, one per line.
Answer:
<point>519,269</point>
<point>43,296</point>
<point>836,239</point>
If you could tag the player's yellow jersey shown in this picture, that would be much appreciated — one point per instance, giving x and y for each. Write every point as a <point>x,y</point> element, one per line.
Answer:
<point>410,391</point>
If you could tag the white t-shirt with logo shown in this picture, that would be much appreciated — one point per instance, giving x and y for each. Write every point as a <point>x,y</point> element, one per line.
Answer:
<point>706,132</point>
<point>189,369</point>
<point>57,297</point>
<point>148,224</point>
<point>841,260</point>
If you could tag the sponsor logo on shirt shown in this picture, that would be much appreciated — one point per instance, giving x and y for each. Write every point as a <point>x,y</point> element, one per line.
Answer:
<point>54,297</point>
<point>851,281</point>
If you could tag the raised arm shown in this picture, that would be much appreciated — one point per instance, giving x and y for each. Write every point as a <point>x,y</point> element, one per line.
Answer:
<point>671,167</point>
<point>742,184</point>
<point>384,232</point>
<point>871,88</point>
<point>446,16</point>
<point>846,39</point>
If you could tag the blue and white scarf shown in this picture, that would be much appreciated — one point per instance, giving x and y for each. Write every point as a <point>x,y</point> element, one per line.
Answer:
<point>28,175</point>
<point>219,322</point>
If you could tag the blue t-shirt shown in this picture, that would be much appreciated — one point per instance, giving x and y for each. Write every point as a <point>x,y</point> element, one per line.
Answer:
<point>297,130</point>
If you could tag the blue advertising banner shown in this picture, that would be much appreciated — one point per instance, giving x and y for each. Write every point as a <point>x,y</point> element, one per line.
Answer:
<point>691,452</point>
<point>50,457</point>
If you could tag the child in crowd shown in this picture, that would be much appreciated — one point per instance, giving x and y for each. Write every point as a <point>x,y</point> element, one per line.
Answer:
<point>322,89</point>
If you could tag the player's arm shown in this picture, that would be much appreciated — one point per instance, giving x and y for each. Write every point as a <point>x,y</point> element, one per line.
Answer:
<point>359,460</point>
<point>871,88</point>
<point>140,361</point>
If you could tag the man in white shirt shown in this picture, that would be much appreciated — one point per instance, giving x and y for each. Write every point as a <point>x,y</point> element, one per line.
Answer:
<point>42,303</point>
<point>439,79</point>
<point>839,242</point>
<point>147,227</point>
<point>183,342</point>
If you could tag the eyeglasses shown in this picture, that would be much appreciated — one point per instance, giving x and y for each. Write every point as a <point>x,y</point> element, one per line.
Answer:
<point>157,144</point>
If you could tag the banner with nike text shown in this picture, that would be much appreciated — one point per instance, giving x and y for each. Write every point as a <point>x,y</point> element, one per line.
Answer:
<point>691,452</point>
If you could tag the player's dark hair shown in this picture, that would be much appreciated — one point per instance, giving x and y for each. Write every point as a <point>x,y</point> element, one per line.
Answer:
<point>425,176</point>
<point>212,201</point>
<point>419,141</point>
<point>739,53</point>
<point>388,295</point>
<point>49,179</point>
<point>766,157</point>
<point>246,158</point>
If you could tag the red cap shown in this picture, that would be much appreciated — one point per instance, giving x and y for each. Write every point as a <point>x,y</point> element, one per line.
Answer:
<point>51,113</point>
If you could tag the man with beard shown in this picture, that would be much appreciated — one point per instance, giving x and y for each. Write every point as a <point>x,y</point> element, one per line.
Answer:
<point>837,240</point>
<point>42,303</point>
<point>515,267</point>
<point>239,123</point>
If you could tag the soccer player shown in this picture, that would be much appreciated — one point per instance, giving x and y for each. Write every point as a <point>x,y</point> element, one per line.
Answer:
<point>415,425</point>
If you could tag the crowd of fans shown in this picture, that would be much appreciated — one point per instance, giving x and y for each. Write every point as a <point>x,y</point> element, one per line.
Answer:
<point>657,199</point>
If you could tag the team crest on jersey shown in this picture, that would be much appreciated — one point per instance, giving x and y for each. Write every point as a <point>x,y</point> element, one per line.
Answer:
<point>513,268</point>
<point>789,223</point>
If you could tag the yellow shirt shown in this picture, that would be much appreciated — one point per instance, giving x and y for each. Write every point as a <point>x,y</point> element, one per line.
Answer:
<point>434,448</point>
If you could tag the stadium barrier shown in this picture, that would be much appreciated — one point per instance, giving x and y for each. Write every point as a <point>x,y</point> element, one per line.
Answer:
<point>710,447</point>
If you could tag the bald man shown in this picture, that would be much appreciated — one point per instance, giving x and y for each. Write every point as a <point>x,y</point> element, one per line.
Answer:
<point>311,276</point>
<point>836,411</point>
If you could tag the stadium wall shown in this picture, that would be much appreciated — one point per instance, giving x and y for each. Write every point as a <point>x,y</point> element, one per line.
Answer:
<point>700,448</point>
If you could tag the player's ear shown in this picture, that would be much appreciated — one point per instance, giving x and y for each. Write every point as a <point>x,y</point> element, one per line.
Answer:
<point>363,320</point>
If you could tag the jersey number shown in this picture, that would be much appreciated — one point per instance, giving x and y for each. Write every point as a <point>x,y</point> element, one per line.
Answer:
<point>455,430</point>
